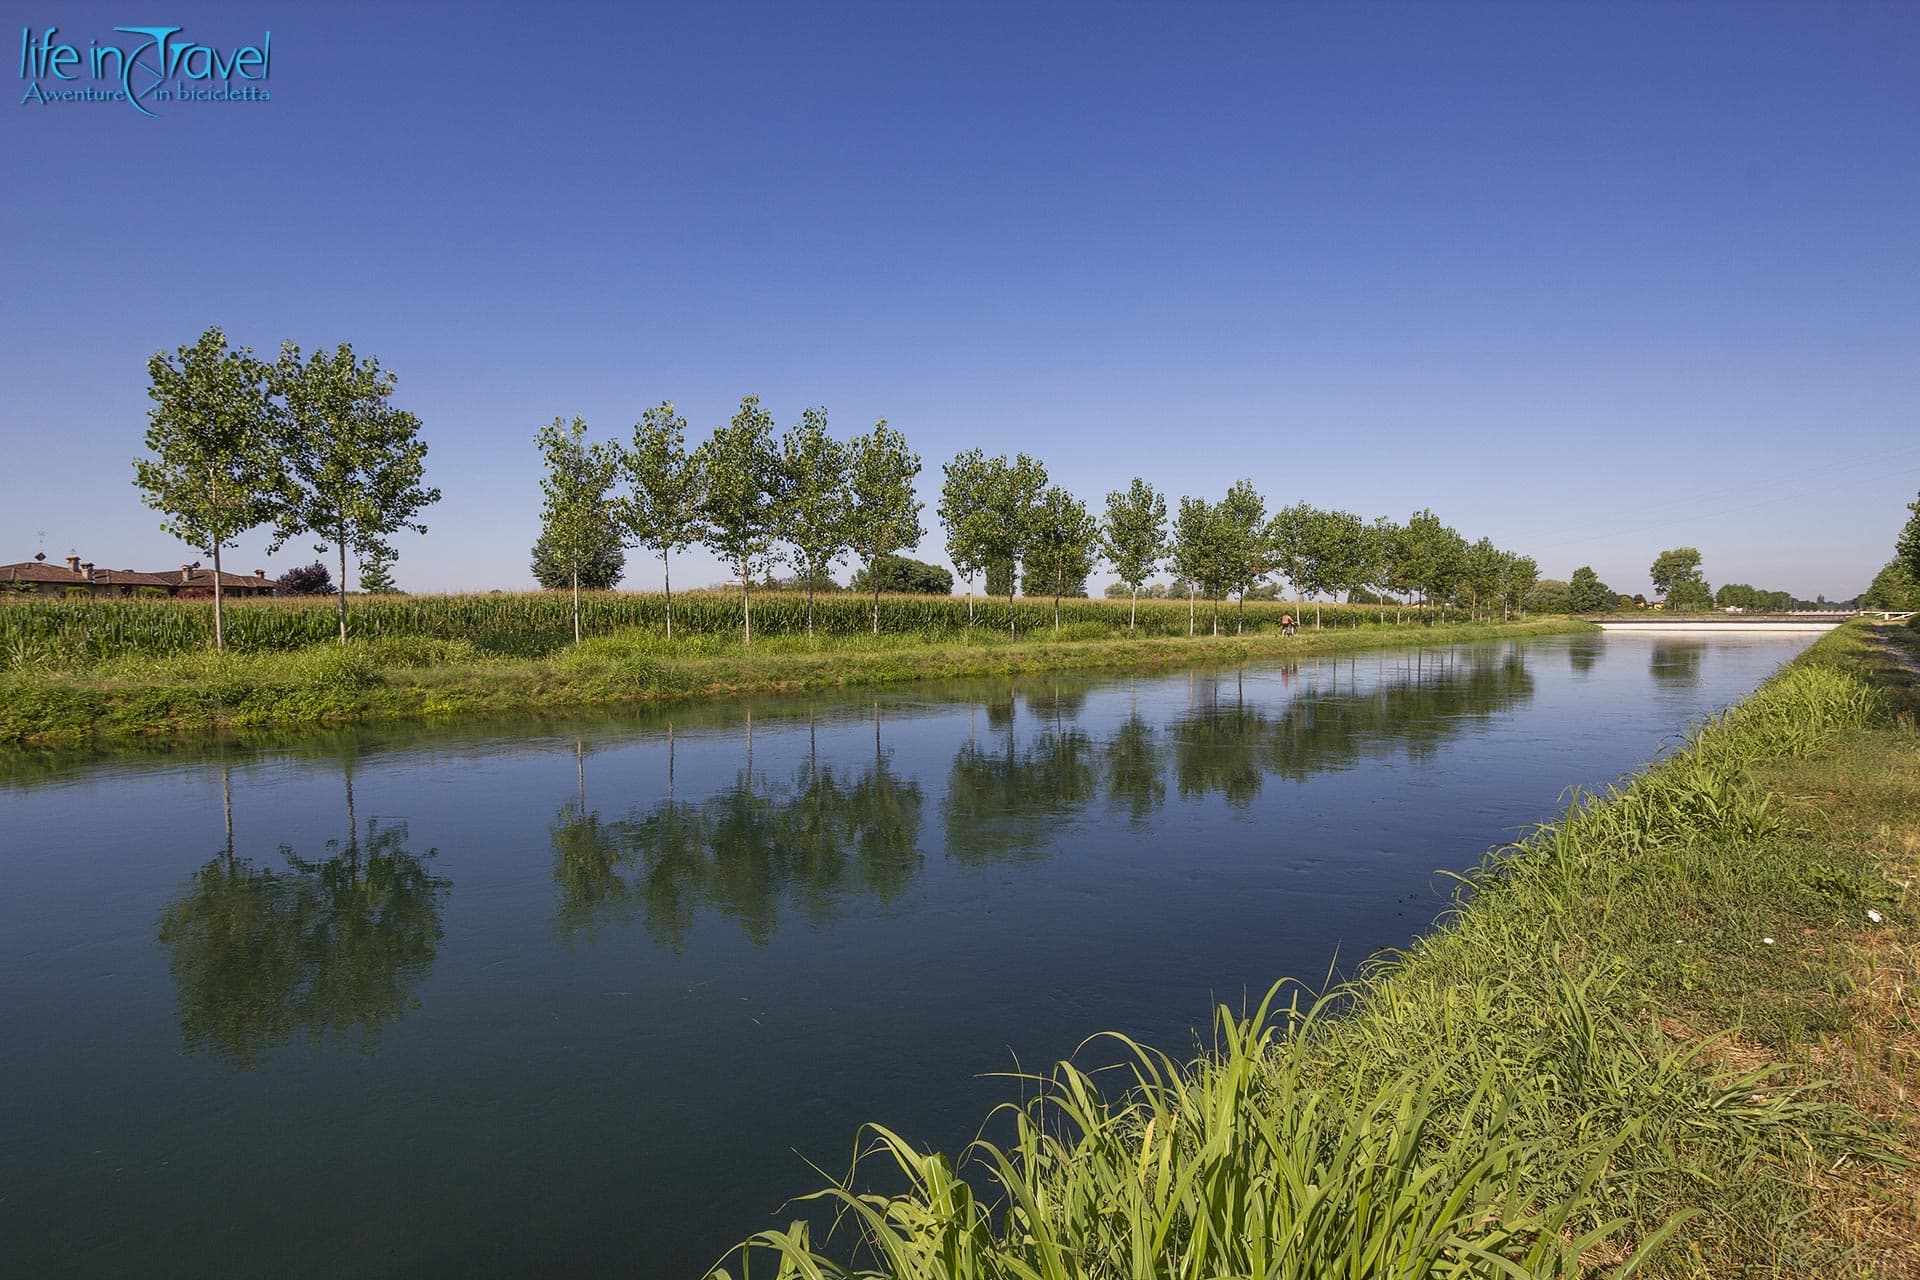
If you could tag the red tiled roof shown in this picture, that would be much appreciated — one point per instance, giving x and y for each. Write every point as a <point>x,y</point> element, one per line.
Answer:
<point>40,571</point>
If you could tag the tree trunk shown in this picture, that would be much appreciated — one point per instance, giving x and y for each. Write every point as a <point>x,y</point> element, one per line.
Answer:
<point>746,607</point>
<point>219,622</point>
<point>809,606</point>
<point>1189,611</point>
<point>876,595</point>
<point>969,599</point>
<point>1056,611</point>
<point>1133,614</point>
<point>1216,615</point>
<point>576,604</point>
<point>1316,611</point>
<point>1240,614</point>
<point>1011,619</point>
<point>666,574</point>
<point>343,582</point>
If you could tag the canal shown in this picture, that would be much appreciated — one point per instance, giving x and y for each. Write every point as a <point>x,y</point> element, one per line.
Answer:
<point>586,996</point>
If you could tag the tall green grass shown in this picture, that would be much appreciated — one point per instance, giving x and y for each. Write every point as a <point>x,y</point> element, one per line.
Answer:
<point>42,634</point>
<point>1502,1099</point>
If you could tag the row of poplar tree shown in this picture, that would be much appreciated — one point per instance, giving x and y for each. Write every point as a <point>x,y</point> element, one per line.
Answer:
<point>307,444</point>
<point>811,500</point>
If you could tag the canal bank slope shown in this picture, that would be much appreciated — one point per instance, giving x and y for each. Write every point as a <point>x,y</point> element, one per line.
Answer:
<point>404,677</point>
<point>1673,1034</point>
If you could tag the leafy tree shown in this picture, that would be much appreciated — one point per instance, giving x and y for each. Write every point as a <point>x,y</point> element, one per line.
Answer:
<point>1338,550</point>
<point>1009,497</point>
<point>884,516</point>
<point>355,461</point>
<point>1289,536</point>
<point>1907,548</point>
<point>376,575</point>
<point>310,580</point>
<point>1548,595</point>
<point>1587,594</point>
<point>1518,574</point>
<point>1432,555</point>
<point>605,564</point>
<point>1202,554</point>
<point>1675,567</point>
<point>1481,571</point>
<point>1382,548</point>
<point>215,469</point>
<point>1894,587</point>
<point>741,503</point>
<point>661,508</point>
<point>1133,537</point>
<point>902,576</point>
<point>1062,552</point>
<point>577,514</point>
<point>1688,595</point>
<point>816,518</point>
<point>961,511</point>
<point>1242,516</point>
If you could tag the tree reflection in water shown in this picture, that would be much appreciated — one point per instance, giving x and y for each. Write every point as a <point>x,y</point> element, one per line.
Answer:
<point>749,852</point>
<point>757,851</point>
<point>260,953</point>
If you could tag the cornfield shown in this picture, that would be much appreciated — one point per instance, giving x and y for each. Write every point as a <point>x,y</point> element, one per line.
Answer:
<point>41,633</point>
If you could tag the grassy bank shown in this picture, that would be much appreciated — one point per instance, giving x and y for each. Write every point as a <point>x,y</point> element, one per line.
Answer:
<point>1672,1034</point>
<point>410,677</point>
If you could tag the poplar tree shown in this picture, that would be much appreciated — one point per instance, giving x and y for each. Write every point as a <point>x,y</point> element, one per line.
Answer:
<point>1517,578</point>
<point>355,462</point>
<point>577,512</point>
<point>741,503</point>
<point>1063,546</point>
<point>884,516</point>
<point>1134,537</point>
<point>215,469</point>
<point>817,515</point>
<point>962,500</point>
<point>1009,494</point>
<point>1200,554</point>
<point>1246,554</point>
<point>661,508</point>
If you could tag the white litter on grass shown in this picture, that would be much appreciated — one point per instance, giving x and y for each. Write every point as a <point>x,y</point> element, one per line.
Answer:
<point>1768,941</point>
<point>1873,915</point>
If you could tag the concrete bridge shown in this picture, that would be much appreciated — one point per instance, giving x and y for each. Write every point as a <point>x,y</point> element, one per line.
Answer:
<point>1724,624</point>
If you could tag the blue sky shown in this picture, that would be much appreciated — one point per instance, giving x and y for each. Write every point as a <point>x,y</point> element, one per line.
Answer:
<point>1591,280</point>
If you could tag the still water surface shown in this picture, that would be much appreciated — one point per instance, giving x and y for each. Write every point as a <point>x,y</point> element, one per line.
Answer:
<point>581,998</point>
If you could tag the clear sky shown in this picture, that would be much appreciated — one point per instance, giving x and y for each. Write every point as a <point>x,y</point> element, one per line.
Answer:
<point>1591,280</point>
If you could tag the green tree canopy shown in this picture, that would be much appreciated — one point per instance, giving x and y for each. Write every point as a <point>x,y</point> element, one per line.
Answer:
<point>1907,548</point>
<point>661,509</point>
<point>1062,552</point>
<point>817,514</point>
<point>742,500</point>
<point>962,512</point>
<point>883,518</point>
<point>1587,594</point>
<point>1009,498</point>
<point>602,569</point>
<point>355,462</point>
<point>213,432</point>
<point>1133,537</point>
<point>903,576</point>
<point>1680,565</point>
<point>576,515</point>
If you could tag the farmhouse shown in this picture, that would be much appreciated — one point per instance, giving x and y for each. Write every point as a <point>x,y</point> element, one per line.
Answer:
<point>77,577</point>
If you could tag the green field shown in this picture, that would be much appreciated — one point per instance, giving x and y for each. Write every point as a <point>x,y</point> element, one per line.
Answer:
<point>57,635</point>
